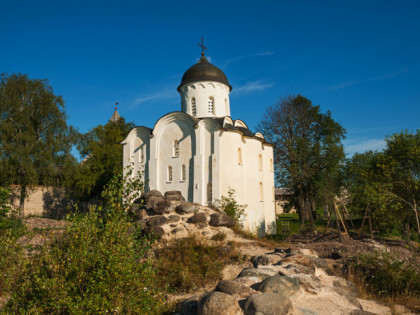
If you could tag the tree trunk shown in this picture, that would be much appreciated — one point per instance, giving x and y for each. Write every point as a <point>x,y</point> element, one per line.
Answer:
<point>22,200</point>
<point>417,220</point>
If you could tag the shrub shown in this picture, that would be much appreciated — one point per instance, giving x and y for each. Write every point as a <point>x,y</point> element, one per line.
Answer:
<point>386,276</point>
<point>230,206</point>
<point>98,265</point>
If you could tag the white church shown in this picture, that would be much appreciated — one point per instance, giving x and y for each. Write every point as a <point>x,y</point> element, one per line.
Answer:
<point>203,152</point>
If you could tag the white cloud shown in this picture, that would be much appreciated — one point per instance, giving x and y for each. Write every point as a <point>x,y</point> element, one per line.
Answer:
<point>251,87</point>
<point>165,94</point>
<point>261,54</point>
<point>362,145</point>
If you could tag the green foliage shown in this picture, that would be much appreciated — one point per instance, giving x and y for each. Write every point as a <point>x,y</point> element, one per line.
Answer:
<point>102,153</point>
<point>308,152</point>
<point>386,276</point>
<point>35,140</point>
<point>10,222</point>
<point>230,206</point>
<point>98,265</point>
<point>192,263</point>
<point>4,203</point>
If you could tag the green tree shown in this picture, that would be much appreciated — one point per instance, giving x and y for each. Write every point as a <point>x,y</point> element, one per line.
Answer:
<point>101,151</point>
<point>307,150</point>
<point>35,139</point>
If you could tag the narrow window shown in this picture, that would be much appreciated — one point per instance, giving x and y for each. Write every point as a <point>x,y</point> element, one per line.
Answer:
<point>260,162</point>
<point>261,192</point>
<point>141,155</point>
<point>239,156</point>
<point>211,105</point>
<point>193,107</point>
<point>209,193</point>
<point>226,107</point>
<point>183,173</point>
<point>271,166</point>
<point>175,152</point>
<point>169,173</point>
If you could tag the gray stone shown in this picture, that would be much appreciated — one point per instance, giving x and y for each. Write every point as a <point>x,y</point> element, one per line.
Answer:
<point>235,288</point>
<point>361,312</point>
<point>248,281</point>
<point>177,230</point>
<point>173,193</point>
<point>264,260</point>
<point>310,283</point>
<point>142,214</point>
<point>261,273</point>
<point>221,219</point>
<point>157,220</point>
<point>151,193</point>
<point>163,207</point>
<point>348,296</point>
<point>306,311</point>
<point>153,201</point>
<point>279,284</point>
<point>218,303</point>
<point>202,225</point>
<point>174,218</point>
<point>186,207</point>
<point>189,306</point>
<point>267,304</point>
<point>197,218</point>
<point>155,231</point>
<point>174,198</point>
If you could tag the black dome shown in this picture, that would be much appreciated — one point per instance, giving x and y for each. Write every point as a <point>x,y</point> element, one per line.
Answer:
<point>204,71</point>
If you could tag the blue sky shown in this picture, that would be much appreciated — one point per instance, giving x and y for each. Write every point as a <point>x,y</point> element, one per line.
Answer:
<point>358,59</point>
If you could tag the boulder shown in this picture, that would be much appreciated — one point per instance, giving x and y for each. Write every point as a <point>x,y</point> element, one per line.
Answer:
<point>197,218</point>
<point>264,260</point>
<point>221,219</point>
<point>140,224</point>
<point>174,218</point>
<point>163,207</point>
<point>248,281</point>
<point>155,231</point>
<point>310,283</point>
<point>177,230</point>
<point>218,303</point>
<point>155,193</point>
<point>189,306</point>
<point>267,304</point>
<point>173,195</point>
<point>261,273</point>
<point>153,201</point>
<point>279,284</point>
<point>157,220</point>
<point>186,207</point>
<point>201,225</point>
<point>235,288</point>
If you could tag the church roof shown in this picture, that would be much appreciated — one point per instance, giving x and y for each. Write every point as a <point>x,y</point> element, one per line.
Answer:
<point>115,116</point>
<point>204,71</point>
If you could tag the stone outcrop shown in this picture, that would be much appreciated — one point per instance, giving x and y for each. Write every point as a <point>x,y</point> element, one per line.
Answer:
<point>218,303</point>
<point>186,208</point>
<point>221,219</point>
<point>267,303</point>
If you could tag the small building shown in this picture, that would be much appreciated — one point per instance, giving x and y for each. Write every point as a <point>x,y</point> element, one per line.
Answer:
<point>283,197</point>
<point>203,152</point>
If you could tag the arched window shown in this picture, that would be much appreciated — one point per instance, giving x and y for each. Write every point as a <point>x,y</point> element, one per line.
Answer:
<point>239,156</point>
<point>183,173</point>
<point>193,107</point>
<point>271,166</point>
<point>261,192</point>
<point>260,163</point>
<point>211,105</point>
<point>169,173</point>
<point>175,152</point>
<point>209,193</point>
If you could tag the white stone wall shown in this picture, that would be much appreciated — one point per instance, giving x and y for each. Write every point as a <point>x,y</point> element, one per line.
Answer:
<point>201,91</point>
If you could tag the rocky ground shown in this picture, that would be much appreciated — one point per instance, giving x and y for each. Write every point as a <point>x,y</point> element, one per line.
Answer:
<point>300,278</point>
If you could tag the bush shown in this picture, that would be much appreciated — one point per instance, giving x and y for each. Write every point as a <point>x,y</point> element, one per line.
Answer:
<point>230,206</point>
<point>386,276</point>
<point>191,263</point>
<point>98,265</point>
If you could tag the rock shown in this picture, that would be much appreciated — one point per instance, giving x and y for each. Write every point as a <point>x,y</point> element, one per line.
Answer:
<point>189,306</point>
<point>174,218</point>
<point>163,207</point>
<point>155,231</point>
<point>157,220</point>
<point>197,218</point>
<point>248,281</point>
<point>349,296</point>
<point>296,268</point>
<point>153,201</point>
<point>140,224</point>
<point>279,284</point>
<point>345,284</point>
<point>177,230</point>
<point>261,273</point>
<point>361,312</point>
<point>310,283</point>
<point>186,207</point>
<point>221,219</point>
<point>141,215</point>
<point>173,193</point>
<point>218,303</point>
<point>155,193</point>
<point>235,288</point>
<point>264,260</point>
<point>202,225</point>
<point>267,304</point>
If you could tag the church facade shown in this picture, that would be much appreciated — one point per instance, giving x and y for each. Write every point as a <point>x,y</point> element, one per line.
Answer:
<point>203,152</point>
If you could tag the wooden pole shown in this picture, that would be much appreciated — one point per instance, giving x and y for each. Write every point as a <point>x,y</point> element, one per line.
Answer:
<point>341,219</point>
<point>337,223</point>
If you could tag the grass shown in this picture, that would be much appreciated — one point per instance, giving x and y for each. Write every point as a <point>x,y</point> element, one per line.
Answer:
<point>193,263</point>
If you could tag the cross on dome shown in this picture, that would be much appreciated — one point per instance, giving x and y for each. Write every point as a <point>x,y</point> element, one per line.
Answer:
<point>202,46</point>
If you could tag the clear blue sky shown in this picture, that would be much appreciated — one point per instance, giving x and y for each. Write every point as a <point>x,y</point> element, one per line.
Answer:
<point>358,59</point>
